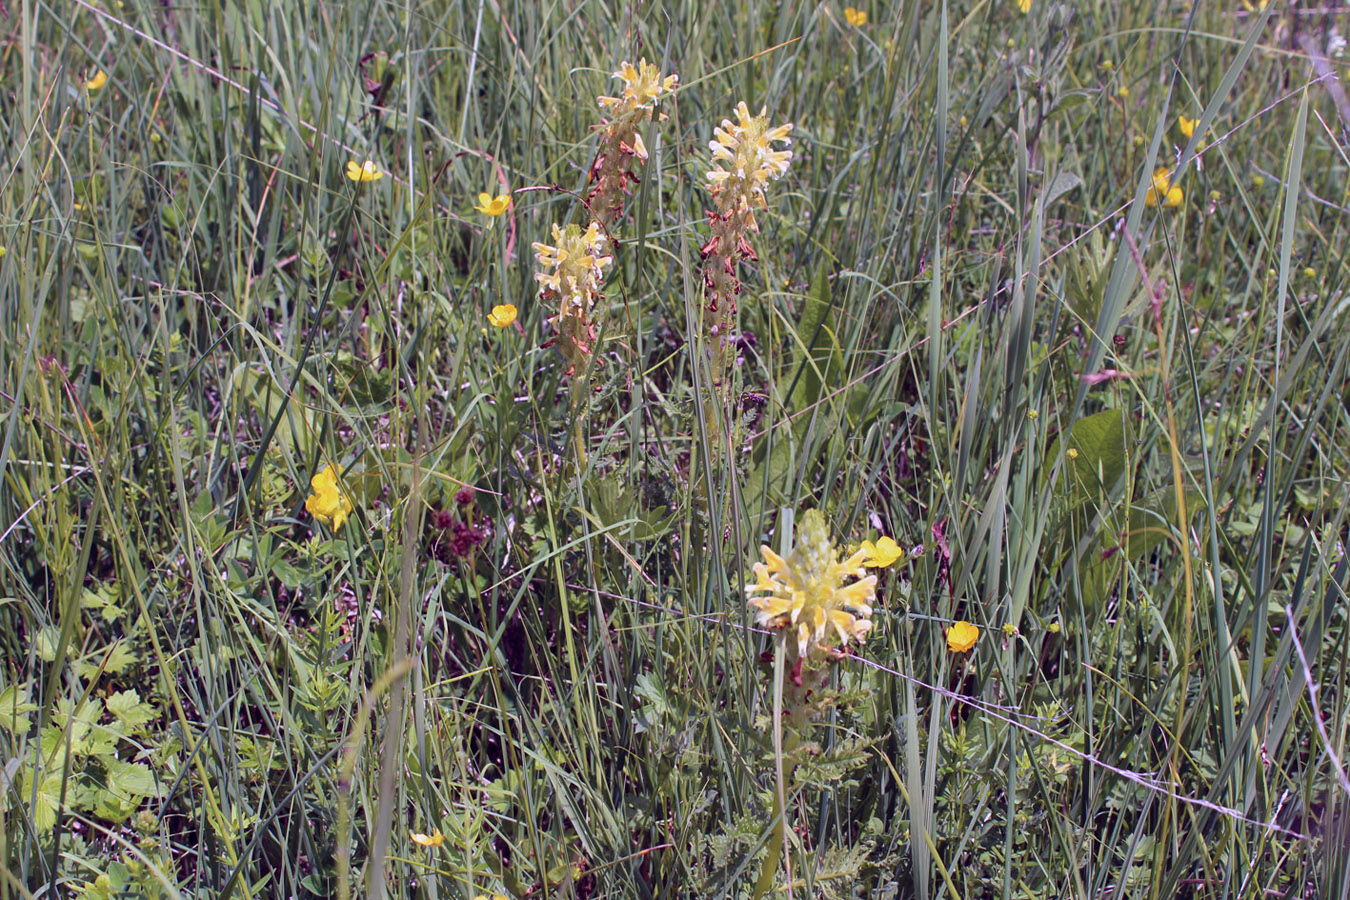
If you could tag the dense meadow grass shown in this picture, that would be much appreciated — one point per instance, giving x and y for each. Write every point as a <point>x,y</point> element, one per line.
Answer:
<point>321,578</point>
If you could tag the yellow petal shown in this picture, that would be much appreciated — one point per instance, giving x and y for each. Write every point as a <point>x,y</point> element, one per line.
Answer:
<point>435,839</point>
<point>98,81</point>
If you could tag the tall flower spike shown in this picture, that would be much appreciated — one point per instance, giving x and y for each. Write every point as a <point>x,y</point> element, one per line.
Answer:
<point>743,163</point>
<point>813,591</point>
<point>621,148</point>
<point>572,273</point>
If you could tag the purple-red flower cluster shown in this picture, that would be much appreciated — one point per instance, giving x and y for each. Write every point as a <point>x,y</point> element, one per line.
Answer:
<point>457,531</point>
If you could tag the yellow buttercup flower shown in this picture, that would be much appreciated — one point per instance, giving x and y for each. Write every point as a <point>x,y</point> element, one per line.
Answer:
<point>855,17</point>
<point>328,503</point>
<point>881,554</point>
<point>365,171</point>
<point>813,590</point>
<point>98,81</point>
<point>1024,5</point>
<point>1163,188</point>
<point>961,637</point>
<point>489,205</point>
<point>435,839</point>
<point>1187,126</point>
<point>502,315</point>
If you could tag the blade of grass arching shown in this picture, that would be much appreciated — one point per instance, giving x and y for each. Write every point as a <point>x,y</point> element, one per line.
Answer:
<point>935,336</point>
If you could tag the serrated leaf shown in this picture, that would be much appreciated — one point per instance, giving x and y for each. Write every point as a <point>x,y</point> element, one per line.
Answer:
<point>131,711</point>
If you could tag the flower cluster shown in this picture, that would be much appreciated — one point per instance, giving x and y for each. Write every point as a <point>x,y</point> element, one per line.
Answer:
<point>572,272</point>
<point>620,142</point>
<point>813,590</point>
<point>744,161</point>
<point>329,502</point>
<point>458,535</point>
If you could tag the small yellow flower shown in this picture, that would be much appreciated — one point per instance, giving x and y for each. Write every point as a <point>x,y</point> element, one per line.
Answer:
<point>881,554</point>
<point>490,897</point>
<point>435,839</point>
<point>1258,6</point>
<point>502,314</point>
<point>1187,126</point>
<point>1258,181</point>
<point>1071,453</point>
<point>97,82</point>
<point>1024,5</point>
<point>1163,187</point>
<point>961,637</point>
<point>3,251</point>
<point>855,17</point>
<point>1009,629</point>
<point>365,171</point>
<point>489,205</point>
<point>1123,91</point>
<point>1053,628</point>
<point>328,503</point>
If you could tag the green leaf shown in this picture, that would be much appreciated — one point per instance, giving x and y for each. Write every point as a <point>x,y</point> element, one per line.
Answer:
<point>1094,457</point>
<point>131,711</point>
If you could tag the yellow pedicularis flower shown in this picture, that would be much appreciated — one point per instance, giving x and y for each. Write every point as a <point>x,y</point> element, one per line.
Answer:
<point>642,87</point>
<point>961,637</point>
<point>489,205</point>
<point>1163,187</point>
<point>435,839</point>
<point>365,171</point>
<point>98,81</point>
<point>881,554</point>
<point>1187,126</point>
<point>502,315</point>
<point>328,503</point>
<point>807,590</point>
<point>573,266</point>
<point>855,17</point>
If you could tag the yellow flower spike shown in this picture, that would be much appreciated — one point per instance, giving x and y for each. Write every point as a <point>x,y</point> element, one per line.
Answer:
<point>502,315</point>
<point>365,171</point>
<point>855,17</point>
<point>97,82</point>
<point>1187,126</point>
<point>489,205</point>
<point>435,839</point>
<point>328,503</point>
<point>881,554</point>
<point>807,591</point>
<point>961,637</point>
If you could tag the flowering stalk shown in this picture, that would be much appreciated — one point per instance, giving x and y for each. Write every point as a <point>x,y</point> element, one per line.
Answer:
<point>621,148</point>
<point>811,597</point>
<point>745,147</point>
<point>571,275</point>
